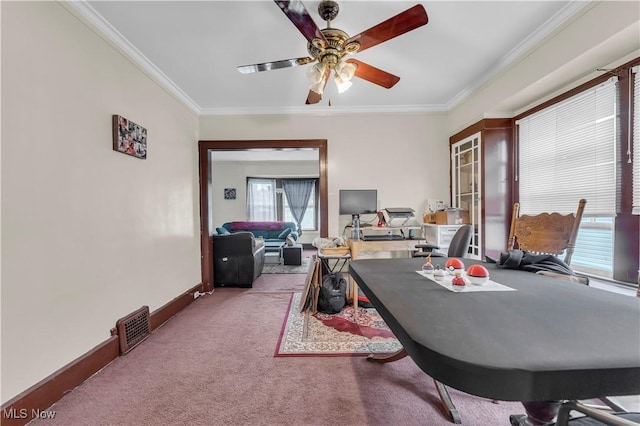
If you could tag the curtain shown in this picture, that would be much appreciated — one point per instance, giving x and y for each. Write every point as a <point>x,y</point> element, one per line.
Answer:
<point>298,192</point>
<point>568,151</point>
<point>261,199</point>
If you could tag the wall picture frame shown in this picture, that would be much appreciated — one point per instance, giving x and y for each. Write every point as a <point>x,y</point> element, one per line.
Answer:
<point>129,138</point>
<point>229,193</point>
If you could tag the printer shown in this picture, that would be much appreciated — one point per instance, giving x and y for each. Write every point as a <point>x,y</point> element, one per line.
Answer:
<point>397,216</point>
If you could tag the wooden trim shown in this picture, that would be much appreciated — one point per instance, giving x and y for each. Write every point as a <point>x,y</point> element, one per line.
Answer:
<point>204,146</point>
<point>164,313</point>
<point>24,407</point>
<point>21,409</point>
<point>484,124</point>
<point>591,83</point>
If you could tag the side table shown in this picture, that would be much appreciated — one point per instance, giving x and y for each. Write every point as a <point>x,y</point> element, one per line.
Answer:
<point>292,255</point>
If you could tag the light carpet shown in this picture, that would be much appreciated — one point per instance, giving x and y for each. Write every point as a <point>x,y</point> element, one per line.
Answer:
<point>343,334</point>
<point>287,269</point>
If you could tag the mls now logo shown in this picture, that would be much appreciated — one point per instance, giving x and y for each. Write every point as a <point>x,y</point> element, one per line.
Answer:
<point>23,413</point>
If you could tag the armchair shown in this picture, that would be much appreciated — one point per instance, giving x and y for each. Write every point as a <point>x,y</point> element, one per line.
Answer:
<point>238,259</point>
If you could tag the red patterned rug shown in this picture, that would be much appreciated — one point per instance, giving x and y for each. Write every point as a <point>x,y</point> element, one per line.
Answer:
<point>342,334</point>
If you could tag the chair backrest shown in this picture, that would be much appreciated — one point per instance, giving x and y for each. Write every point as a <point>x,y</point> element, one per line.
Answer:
<point>545,233</point>
<point>459,246</point>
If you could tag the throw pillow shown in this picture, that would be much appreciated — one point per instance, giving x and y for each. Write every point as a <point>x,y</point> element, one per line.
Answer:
<point>284,234</point>
<point>222,230</point>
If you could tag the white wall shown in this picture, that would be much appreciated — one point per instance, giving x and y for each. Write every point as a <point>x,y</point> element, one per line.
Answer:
<point>233,174</point>
<point>404,156</point>
<point>88,234</point>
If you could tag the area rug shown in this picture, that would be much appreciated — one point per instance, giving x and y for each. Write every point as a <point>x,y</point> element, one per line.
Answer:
<point>287,269</point>
<point>343,334</point>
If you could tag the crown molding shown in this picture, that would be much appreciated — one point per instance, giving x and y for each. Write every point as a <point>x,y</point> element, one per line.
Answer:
<point>87,14</point>
<point>326,110</point>
<point>533,40</point>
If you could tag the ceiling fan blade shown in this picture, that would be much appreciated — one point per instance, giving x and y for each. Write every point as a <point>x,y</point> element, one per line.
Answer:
<point>402,23</point>
<point>297,13</point>
<point>374,75</point>
<point>315,97</point>
<point>276,65</point>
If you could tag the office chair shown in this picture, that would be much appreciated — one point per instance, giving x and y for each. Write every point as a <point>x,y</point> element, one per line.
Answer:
<point>459,246</point>
<point>545,233</point>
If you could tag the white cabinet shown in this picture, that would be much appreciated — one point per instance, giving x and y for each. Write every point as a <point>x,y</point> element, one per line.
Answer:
<point>466,185</point>
<point>439,235</point>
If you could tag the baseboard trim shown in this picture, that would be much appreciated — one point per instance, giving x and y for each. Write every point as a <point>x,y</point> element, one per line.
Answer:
<point>164,313</point>
<point>36,400</point>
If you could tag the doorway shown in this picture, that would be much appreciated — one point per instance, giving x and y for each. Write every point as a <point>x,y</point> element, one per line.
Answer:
<point>204,147</point>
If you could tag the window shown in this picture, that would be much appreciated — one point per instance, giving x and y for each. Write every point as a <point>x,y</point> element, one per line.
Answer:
<point>261,199</point>
<point>266,201</point>
<point>567,151</point>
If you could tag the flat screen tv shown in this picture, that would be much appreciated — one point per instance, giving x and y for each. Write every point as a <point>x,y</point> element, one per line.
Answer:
<point>358,201</point>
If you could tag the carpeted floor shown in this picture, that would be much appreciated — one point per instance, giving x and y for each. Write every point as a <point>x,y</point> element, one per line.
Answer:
<point>343,334</point>
<point>213,364</point>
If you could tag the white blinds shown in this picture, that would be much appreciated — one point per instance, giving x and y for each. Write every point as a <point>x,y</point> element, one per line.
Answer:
<point>568,152</point>
<point>636,139</point>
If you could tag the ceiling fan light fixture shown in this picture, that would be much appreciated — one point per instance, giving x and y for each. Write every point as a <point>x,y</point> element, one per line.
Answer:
<point>315,75</point>
<point>343,85</point>
<point>344,72</point>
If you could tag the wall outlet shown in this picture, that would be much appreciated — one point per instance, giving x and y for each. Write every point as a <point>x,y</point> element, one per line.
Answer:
<point>197,294</point>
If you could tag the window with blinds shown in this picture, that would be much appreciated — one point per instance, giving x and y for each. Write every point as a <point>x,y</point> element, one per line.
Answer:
<point>567,152</point>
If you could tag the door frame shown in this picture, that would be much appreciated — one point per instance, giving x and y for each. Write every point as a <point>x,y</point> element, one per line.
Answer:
<point>204,146</point>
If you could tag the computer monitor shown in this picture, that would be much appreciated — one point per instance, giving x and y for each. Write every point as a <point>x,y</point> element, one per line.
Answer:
<point>358,201</point>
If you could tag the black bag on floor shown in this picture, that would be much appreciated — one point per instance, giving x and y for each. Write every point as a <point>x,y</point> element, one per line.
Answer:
<point>333,293</point>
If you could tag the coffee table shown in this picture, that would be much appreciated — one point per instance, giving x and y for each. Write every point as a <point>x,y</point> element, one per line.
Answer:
<point>273,252</point>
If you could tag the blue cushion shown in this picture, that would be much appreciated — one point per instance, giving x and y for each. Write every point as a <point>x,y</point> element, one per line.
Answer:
<point>284,233</point>
<point>222,231</point>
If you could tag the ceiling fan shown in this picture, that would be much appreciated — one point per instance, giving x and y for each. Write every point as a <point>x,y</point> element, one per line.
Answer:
<point>329,46</point>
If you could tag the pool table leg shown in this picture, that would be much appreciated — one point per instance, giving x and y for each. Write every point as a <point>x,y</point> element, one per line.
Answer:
<point>539,413</point>
<point>388,357</point>
<point>442,390</point>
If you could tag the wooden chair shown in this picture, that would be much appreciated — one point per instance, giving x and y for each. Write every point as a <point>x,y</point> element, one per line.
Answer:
<point>545,233</point>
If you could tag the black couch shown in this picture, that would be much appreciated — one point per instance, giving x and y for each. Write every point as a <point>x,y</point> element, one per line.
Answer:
<point>237,259</point>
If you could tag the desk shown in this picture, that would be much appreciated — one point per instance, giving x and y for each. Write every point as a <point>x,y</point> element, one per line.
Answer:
<point>549,340</point>
<point>357,248</point>
<point>360,247</point>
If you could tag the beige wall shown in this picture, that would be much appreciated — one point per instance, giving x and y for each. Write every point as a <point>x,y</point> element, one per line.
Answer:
<point>404,156</point>
<point>88,234</point>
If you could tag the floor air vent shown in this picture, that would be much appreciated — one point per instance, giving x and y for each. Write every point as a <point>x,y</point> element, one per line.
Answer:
<point>133,329</point>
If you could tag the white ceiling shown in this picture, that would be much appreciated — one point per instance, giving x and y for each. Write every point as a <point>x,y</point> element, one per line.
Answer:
<point>195,46</point>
